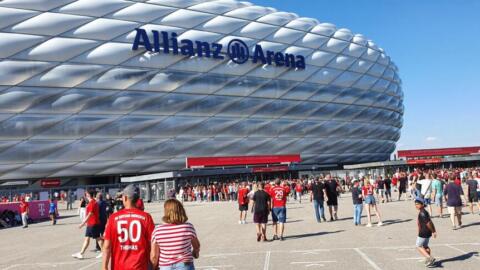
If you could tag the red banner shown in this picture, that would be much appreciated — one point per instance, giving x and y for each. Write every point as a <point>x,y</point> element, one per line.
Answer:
<point>270,169</point>
<point>240,160</point>
<point>37,209</point>
<point>48,183</point>
<point>439,152</point>
<point>424,161</point>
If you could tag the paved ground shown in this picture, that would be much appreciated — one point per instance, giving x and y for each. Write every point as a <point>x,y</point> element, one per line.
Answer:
<point>228,245</point>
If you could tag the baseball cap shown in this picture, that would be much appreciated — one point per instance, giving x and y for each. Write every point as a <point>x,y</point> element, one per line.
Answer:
<point>131,192</point>
<point>419,200</point>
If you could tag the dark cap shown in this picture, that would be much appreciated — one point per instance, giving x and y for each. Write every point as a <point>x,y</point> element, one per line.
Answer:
<point>419,201</point>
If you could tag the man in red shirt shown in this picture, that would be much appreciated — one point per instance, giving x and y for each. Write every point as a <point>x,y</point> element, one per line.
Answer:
<point>278,196</point>
<point>24,212</point>
<point>243,203</point>
<point>128,235</point>
<point>92,220</point>
<point>299,190</point>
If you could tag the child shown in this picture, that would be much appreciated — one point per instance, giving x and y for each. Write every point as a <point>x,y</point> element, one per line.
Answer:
<point>425,230</point>
<point>53,211</point>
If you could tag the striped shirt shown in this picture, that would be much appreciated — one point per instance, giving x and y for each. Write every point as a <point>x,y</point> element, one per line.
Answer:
<point>174,242</point>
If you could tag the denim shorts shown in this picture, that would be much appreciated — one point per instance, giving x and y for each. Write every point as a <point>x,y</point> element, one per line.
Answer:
<point>422,242</point>
<point>438,200</point>
<point>279,214</point>
<point>179,266</point>
<point>370,200</point>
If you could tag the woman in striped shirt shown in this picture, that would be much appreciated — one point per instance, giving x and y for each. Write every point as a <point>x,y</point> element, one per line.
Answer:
<point>174,243</point>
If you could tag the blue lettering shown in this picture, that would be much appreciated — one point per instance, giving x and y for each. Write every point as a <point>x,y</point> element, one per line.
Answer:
<point>141,38</point>
<point>279,60</point>
<point>187,47</point>
<point>300,64</point>
<point>217,48</point>
<point>258,55</point>
<point>203,47</point>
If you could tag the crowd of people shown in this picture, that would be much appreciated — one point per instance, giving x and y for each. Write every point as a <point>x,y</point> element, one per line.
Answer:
<point>125,234</point>
<point>127,237</point>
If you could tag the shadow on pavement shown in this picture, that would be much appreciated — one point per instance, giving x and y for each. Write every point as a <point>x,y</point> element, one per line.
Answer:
<point>471,224</point>
<point>311,234</point>
<point>395,221</point>
<point>454,259</point>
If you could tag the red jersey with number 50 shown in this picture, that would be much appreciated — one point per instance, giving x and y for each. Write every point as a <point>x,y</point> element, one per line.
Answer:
<point>279,196</point>
<point>129,232</point>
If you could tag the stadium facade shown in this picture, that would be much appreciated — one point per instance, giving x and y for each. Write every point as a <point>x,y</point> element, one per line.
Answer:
<point>112,87</point>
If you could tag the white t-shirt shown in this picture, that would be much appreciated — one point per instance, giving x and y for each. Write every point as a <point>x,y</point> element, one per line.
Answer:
<point>478,186</point>
<point>426,187</point>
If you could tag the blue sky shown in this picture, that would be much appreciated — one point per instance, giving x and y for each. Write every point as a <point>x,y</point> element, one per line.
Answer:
<point>435,44</point>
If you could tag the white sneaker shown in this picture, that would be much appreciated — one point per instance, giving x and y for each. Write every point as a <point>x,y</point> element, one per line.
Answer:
<point>240,222</point>
<point>99,256</point>
<point>244,222</point>
<point>369,225</point>
<point>380,224</point>
<point>77,256</point>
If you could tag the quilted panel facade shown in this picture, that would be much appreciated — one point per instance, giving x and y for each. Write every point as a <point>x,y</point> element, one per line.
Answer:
<point>76,99</point>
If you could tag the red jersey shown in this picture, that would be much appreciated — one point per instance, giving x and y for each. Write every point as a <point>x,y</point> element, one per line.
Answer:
<point>129,232</point>
<point>279,196</point>
<point>367,190</point>
<point>299,188</point>
<point>23,207</point>
<point>267,188</point>
<point>287,190</point>
<point>94,219</point>
<point>242,196</point>
<point>139,204</point>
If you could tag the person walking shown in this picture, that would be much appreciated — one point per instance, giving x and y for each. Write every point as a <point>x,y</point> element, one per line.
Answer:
<point>102,215</point>
<point>437,194</point>
<point>402,185</point>
<point>110,205</point>
<point>261,207</point>
<point>388,188</point>
<point>317,195</point>
<point>357,202</point>
<point>278,196</point>
<point>174,243</point>
<point>299,191</point>
<point>425,230</point>
<point>331,188</point>
<point>242,203</point>
<point>82,209</point>
<point>453,195</point>
<point>24,211</point>
<point>472,186</point>
<point>425,191</point>
<point>380,188</point>
<point>70,200</point>
<point>367,193</point>
<point>128,235</point>
<point>53,211</point>
<point>92,221</point>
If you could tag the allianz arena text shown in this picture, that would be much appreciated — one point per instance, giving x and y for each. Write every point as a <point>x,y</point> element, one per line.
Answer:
<point>80,96</point>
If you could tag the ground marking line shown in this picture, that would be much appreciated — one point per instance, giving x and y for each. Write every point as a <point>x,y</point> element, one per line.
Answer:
<point>462,251</point>
<point>267,260</point>
<point>39,264</point>
<point>313,262</point>
<point>367,259</point>
<point>88,266</point>
<point>214,266</point>
<point>222,255</point>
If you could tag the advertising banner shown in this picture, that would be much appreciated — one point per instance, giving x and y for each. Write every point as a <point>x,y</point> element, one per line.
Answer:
<point>38,210</point>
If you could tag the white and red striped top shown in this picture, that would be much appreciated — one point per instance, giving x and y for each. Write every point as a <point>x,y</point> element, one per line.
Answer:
<point>175,243</point>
